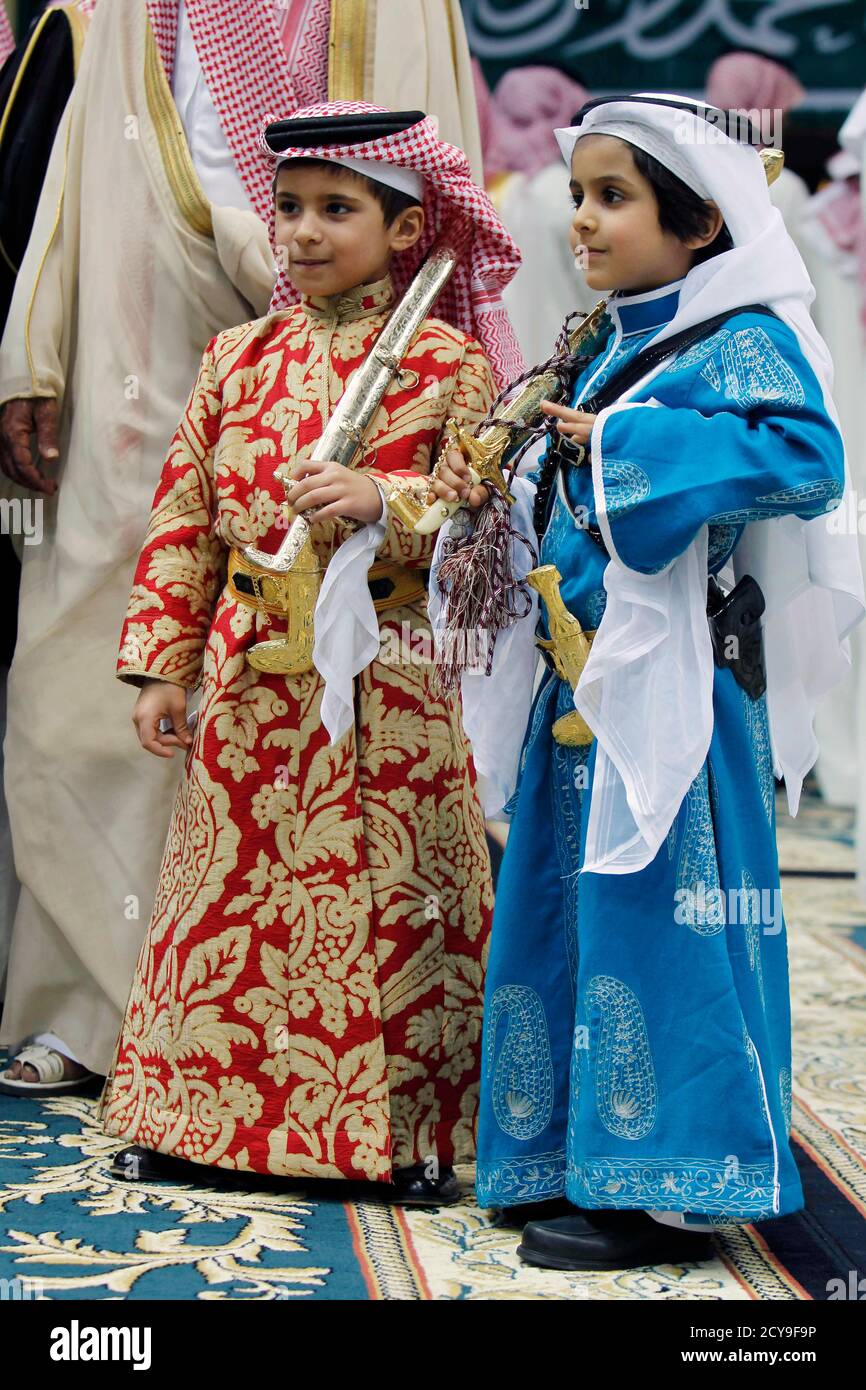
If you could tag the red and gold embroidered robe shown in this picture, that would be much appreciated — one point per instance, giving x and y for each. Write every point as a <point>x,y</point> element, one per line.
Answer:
<point>308,996</point>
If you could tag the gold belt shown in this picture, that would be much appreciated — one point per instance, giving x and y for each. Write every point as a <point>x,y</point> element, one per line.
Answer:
<point>407,586</point>
<point>272,593</point>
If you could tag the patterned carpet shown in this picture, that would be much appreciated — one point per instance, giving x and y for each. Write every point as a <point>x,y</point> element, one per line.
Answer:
<point>68,1230</point>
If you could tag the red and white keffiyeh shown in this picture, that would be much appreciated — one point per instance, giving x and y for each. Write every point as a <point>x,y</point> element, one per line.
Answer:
<point>305,32</point>
<point>7,38</point>
<point>452,203</point>
<point>244,64</point>
<point>259,60</point>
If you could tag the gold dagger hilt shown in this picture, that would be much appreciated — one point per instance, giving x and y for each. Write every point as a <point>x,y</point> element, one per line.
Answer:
<point>484,458</point>
<point>501,439</point>
<point>569,647</point>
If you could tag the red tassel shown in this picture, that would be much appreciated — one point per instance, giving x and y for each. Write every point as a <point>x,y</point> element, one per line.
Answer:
<point>481,594</point>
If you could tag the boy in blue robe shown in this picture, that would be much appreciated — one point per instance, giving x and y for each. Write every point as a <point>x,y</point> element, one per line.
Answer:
<point>637,1045</point>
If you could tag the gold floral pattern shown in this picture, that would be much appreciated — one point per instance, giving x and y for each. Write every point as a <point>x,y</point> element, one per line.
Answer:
<point>308,996</point>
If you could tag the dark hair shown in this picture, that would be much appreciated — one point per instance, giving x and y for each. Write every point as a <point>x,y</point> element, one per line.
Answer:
<point>681,210</point>
<point>391,200</point>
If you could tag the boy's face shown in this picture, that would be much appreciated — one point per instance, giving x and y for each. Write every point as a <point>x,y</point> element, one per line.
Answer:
<point>333,230</point>
<point>615,232</point>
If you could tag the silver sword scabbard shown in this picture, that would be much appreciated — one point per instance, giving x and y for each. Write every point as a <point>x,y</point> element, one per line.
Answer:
<point>343,436</point>
<point>294,568</point>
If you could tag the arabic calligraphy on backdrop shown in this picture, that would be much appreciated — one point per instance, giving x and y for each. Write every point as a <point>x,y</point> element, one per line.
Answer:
<point>823,39</point>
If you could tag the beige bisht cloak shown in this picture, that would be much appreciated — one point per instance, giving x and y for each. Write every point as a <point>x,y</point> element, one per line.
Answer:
<point>408,55</point>
<point>128,273</point>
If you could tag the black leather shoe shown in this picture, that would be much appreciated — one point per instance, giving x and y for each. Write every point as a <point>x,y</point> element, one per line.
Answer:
<point>410,1188</point>
<point>533,1211</point>
<point>591,1240</point>
<point>137,1164</point>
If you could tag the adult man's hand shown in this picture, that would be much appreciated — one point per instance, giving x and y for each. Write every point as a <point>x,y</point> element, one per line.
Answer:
<point>19,419</point>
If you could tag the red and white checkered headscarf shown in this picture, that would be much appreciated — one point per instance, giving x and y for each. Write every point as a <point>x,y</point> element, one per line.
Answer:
<point>259,60</point>
<point>244,64</point>
<point>452,203</point>
<point>7,38</point>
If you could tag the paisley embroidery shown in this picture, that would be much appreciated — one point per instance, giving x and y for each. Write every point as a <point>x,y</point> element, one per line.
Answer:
<point>522,1089</point>
<point>785,1096</point>
<point>740,516</point>
<point>747,1044</point>
<point>545,694</point>
<point>710,373</point>
<point>578,1062</point>
<point>823,490</point>
<point>701,901</point>
<point>758,726</point>
<point>700,351</point>
<point>560,523</point>
<point>721,541</point>
<point>595,606</point>
<point>567,788</point>
<point>750,900</point>
<point>625,485</point>
<point>757,374</point>
<point>625,1084</point>
<point>672,838</point>
<point>625,349</point>
<point>542,698</point>
<point>713,789</point>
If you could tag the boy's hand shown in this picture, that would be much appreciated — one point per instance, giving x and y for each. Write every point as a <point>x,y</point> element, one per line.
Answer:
<point>334,491</point>
<point>157,700</point>
<point>574,424</point>
<point>452,482</point>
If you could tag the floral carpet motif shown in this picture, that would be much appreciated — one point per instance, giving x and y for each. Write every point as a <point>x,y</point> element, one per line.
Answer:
<point>69,1230</point>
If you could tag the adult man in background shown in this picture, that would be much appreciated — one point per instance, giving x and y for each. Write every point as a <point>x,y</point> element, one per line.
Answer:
<point>35,83</point>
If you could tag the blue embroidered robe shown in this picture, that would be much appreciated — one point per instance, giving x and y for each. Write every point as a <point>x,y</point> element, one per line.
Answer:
<point>637,1039</point>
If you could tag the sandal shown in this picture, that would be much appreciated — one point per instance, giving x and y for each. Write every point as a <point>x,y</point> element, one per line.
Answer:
<point>48,1066</point>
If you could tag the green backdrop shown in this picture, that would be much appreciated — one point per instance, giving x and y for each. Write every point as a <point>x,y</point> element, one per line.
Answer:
<point>668,45</point>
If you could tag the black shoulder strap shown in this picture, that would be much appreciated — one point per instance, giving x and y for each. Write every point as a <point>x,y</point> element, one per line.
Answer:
<point>631,373</point>
<point>638,367</point>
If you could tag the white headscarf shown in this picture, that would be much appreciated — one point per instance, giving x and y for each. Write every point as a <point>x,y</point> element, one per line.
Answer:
<point>404,180</point>
<point>647,687</point>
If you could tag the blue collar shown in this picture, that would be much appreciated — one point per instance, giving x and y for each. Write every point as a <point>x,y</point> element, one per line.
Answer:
<point>636,313</point>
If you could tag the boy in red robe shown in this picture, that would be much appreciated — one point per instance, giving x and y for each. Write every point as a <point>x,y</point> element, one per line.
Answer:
<point>308,997</point>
